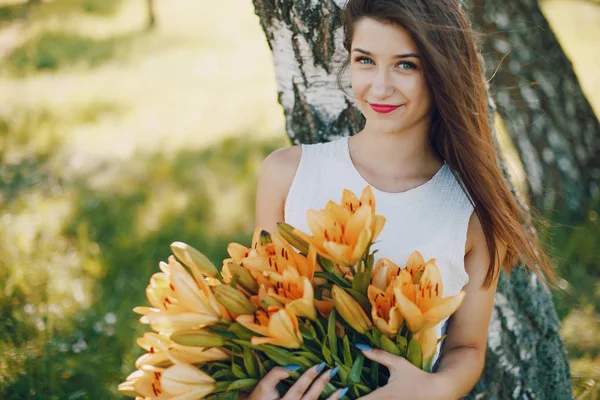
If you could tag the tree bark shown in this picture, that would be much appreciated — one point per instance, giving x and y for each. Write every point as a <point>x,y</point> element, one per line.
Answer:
<point>525,357</point>
<point>541,103</point>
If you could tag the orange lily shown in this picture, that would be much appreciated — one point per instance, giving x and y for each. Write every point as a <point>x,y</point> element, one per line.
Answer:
<point>342,233</point>
<point>238,253</point>
<point>163,350</point>
<point>179,301</point>
<point>145,382</point>
<point>279,329</point>
<point>384,272</point>
<point>384,311</point>
<point>184,381</point>
<point>294,291</point>
<point>422,304</point>
<point>351,203</point>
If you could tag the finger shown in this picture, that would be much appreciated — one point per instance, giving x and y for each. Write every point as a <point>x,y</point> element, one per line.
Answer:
<point>338,394</point>
<point>384,358</point>
<point>298,388</point>
<point>318,385</point>
<point>270,380</point>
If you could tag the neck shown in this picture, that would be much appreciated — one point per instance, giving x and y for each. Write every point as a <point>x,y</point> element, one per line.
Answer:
<point>406,153</point>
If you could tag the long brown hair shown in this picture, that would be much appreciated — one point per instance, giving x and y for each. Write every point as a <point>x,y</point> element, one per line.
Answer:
<point>460,129</point>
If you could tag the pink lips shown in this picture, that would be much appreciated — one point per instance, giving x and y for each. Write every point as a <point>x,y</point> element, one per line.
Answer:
<point>383,108</point>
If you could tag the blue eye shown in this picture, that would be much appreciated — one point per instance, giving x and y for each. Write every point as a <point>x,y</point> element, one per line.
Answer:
<point>407,65</point>
<point>361,59</point>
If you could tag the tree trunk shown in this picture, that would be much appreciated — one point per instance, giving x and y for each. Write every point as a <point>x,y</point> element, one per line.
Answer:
<point>541,103</point>
<point>525,357</point>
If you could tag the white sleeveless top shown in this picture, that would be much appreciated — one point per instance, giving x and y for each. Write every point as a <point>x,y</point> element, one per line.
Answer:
<point>431,218</point>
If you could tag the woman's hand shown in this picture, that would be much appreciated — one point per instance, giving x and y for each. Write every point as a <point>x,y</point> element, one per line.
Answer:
<point>406,381</point>
<point>308,387</point>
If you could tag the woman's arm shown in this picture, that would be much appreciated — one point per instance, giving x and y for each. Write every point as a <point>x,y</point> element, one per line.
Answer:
<point>463,353</point>
<point>274,181</point>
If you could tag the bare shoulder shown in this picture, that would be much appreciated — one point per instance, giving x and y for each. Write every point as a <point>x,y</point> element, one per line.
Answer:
<point>285,157</point>
<point>474,232</point>
<point>274,181</point>
<point>476,246</point>
<point>280,166</point>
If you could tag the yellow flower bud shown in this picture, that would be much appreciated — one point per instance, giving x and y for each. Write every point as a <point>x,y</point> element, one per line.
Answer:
<point>233,300</point>
<point>350,310</point>
<point>194,259</point>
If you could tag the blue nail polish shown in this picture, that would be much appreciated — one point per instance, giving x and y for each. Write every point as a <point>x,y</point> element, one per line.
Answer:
<point>333,372</point>
<point>363,347</point>
<point>343,392</point>
<point>321,366</point>
<point>292,367</point>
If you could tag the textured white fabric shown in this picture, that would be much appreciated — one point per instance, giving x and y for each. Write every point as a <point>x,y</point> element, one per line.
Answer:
<point>431,218</point>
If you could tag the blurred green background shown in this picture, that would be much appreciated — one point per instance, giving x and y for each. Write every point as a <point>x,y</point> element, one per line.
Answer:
<point>118,138</point>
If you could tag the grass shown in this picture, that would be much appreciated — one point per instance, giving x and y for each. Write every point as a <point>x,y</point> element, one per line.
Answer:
<point>116,140</point>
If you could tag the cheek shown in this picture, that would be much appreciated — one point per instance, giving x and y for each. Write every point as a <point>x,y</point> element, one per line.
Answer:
<point>416,89</point>
<point>360,83</point>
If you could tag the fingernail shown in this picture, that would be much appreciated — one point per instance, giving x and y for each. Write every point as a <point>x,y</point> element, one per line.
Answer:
<point>363,347</point>
<point>321,366</point>
<point>333,372</point>
<point>343,392</point>
<point>292,367</point>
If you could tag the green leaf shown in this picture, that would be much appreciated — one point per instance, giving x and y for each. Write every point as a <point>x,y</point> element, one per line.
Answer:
<point>354,376</point>
<point>308,355</point>
<point>376,335</point>
<point>329,389</point>
<point>402,343</point>
<point>440,340</point>
<point>262,367</point>
<point>357,282</point>
<point>326,264</point>
<point>241,331</point>
<point>427,364</point>
<point>343,374</point>
<point>374,374</point>
<point>249,363</point>
<point>389,346</point>
<point>333,278</point>
<point>347,353</point>
<point>222,373</point>
<point>277,354</point>
<point>414,353</point>
<point>242,384</point>
<point>326,353</point>
<point>331,333</point>
<point>238,372</point>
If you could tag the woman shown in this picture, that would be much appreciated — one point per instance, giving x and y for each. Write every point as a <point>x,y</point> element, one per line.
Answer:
<point>427,152</point>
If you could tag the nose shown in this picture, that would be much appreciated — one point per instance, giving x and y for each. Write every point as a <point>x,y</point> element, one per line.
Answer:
<point>381,86</point>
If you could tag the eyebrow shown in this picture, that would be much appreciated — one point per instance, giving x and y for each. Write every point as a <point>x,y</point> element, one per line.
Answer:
<point>396,56</point>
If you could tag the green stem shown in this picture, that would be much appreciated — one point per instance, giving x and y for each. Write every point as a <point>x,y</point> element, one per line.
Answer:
<point>320,326</point>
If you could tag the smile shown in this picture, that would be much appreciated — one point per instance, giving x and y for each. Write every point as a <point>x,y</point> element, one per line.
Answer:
<point>383,108</point>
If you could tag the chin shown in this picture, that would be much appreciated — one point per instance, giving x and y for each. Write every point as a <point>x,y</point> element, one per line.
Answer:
<point>388,126</point>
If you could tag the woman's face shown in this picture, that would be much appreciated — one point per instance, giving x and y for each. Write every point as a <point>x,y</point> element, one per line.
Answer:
<point>387,77</point>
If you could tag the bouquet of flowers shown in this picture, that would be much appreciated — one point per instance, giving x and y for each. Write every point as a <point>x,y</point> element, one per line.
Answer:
<point>288,298</point>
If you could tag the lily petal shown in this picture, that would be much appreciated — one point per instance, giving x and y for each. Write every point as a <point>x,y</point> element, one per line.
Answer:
<point>412,314</point>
